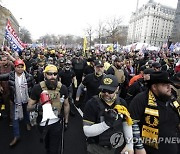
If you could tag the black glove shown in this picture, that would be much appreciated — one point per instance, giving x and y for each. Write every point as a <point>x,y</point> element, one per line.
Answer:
<point>77,104</point>
<point>110,116</point>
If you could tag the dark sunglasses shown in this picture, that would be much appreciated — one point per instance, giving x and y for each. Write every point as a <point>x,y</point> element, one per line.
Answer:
<point>107,91</point>
<point>51,73</point>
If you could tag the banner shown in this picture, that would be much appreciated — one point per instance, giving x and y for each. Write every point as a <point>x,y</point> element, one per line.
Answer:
<point>14,41</point>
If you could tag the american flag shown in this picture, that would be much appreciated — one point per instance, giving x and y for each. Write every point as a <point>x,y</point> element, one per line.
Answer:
<point>14,41</point>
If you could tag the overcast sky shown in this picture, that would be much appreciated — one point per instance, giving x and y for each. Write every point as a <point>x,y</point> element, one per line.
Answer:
<point>42,17</point>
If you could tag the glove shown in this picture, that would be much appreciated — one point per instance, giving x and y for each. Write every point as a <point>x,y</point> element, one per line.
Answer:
<point>110,116</point>
<point>77,103</point>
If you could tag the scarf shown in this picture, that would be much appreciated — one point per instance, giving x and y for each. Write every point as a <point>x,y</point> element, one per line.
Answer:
<point>21,95</point>
<point>150,129</point>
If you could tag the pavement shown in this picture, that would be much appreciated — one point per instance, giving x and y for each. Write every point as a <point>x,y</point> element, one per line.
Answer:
<point>74,138</point>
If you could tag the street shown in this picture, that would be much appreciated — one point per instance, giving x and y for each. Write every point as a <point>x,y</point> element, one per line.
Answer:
<point>74,139</point>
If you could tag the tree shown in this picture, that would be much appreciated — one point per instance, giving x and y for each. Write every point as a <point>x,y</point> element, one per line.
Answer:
<point>89,32</point>
<point>113,29</point>
<point>100,31</point>
<point>70,41</point>
<point>25,35</point>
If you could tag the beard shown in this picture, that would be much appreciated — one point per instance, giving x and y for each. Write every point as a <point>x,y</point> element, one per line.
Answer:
<point>108,99</point>
<point>118,66</point>
<point>51,83</point>
<point>164,97</point>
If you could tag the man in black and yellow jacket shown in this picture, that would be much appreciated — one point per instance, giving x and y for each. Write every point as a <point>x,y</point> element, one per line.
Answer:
<point>107,122</point>
<point>156,117</point>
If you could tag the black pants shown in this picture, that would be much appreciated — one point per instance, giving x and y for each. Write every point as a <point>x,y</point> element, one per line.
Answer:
<point>53,138</point>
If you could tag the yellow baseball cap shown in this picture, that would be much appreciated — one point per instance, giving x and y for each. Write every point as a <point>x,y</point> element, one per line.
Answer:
<point>50,67</point>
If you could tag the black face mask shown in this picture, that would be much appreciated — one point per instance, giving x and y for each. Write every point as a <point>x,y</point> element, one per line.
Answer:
<point>67,68</point>
<point>28,57</point>
<point>51,84</point>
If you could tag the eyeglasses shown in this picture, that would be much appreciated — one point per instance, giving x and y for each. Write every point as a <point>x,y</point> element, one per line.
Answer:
<point>51,73</point>
<point>107,91</point>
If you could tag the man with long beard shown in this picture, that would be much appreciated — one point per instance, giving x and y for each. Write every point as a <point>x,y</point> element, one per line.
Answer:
<point>156,116</point>
<point>51,128</point>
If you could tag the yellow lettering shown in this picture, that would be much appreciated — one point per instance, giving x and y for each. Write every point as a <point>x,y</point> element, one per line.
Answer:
<point>149,132</point>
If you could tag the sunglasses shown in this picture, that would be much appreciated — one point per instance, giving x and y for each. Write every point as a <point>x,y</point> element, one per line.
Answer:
<point>51,73</point>
<point>107,91</point>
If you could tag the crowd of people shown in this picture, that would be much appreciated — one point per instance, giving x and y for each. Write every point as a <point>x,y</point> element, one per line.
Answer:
<point>130,100</point>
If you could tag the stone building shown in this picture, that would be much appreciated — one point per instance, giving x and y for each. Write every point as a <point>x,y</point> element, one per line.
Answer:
<point>5,14</point>
<point>175,37</point>
<point>152,24</point>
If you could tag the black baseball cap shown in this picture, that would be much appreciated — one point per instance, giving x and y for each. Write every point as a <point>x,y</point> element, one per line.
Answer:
<point>98,63</point>
<point>156,65</point>
<point>148,71</point>
<point>118,59</point>
<point>109,82</point>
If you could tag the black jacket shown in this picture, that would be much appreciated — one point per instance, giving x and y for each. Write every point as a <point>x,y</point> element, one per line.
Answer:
<point>10,77</point>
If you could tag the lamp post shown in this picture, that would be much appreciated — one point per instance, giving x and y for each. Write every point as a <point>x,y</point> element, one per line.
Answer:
<point>168,42</point>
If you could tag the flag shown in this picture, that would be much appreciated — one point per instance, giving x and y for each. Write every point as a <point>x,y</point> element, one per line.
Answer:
<point>133,47</point>
<point>117,46</point>
<point>165,45</point>
<point>84,45</point>
<point>177,45</point>
<point>14,41</point>
<point>110,48</point>
<point>171,47</point>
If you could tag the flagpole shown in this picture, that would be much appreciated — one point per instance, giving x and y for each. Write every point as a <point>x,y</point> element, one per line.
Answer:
<point>3,43</point>
<point>4,35</point>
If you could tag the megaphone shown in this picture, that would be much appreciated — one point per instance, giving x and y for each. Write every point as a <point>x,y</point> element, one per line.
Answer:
<point>48,116</point>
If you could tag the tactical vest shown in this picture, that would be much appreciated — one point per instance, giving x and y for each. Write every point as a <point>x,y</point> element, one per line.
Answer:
<point>119,74</point>
<point>54,95</point>
<point>112,136</point>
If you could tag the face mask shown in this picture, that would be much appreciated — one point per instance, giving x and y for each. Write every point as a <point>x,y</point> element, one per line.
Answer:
<point>67,68</point>
<point>28,57</point>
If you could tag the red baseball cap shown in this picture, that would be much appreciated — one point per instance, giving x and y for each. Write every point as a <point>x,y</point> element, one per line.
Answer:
<point>18,62</point>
